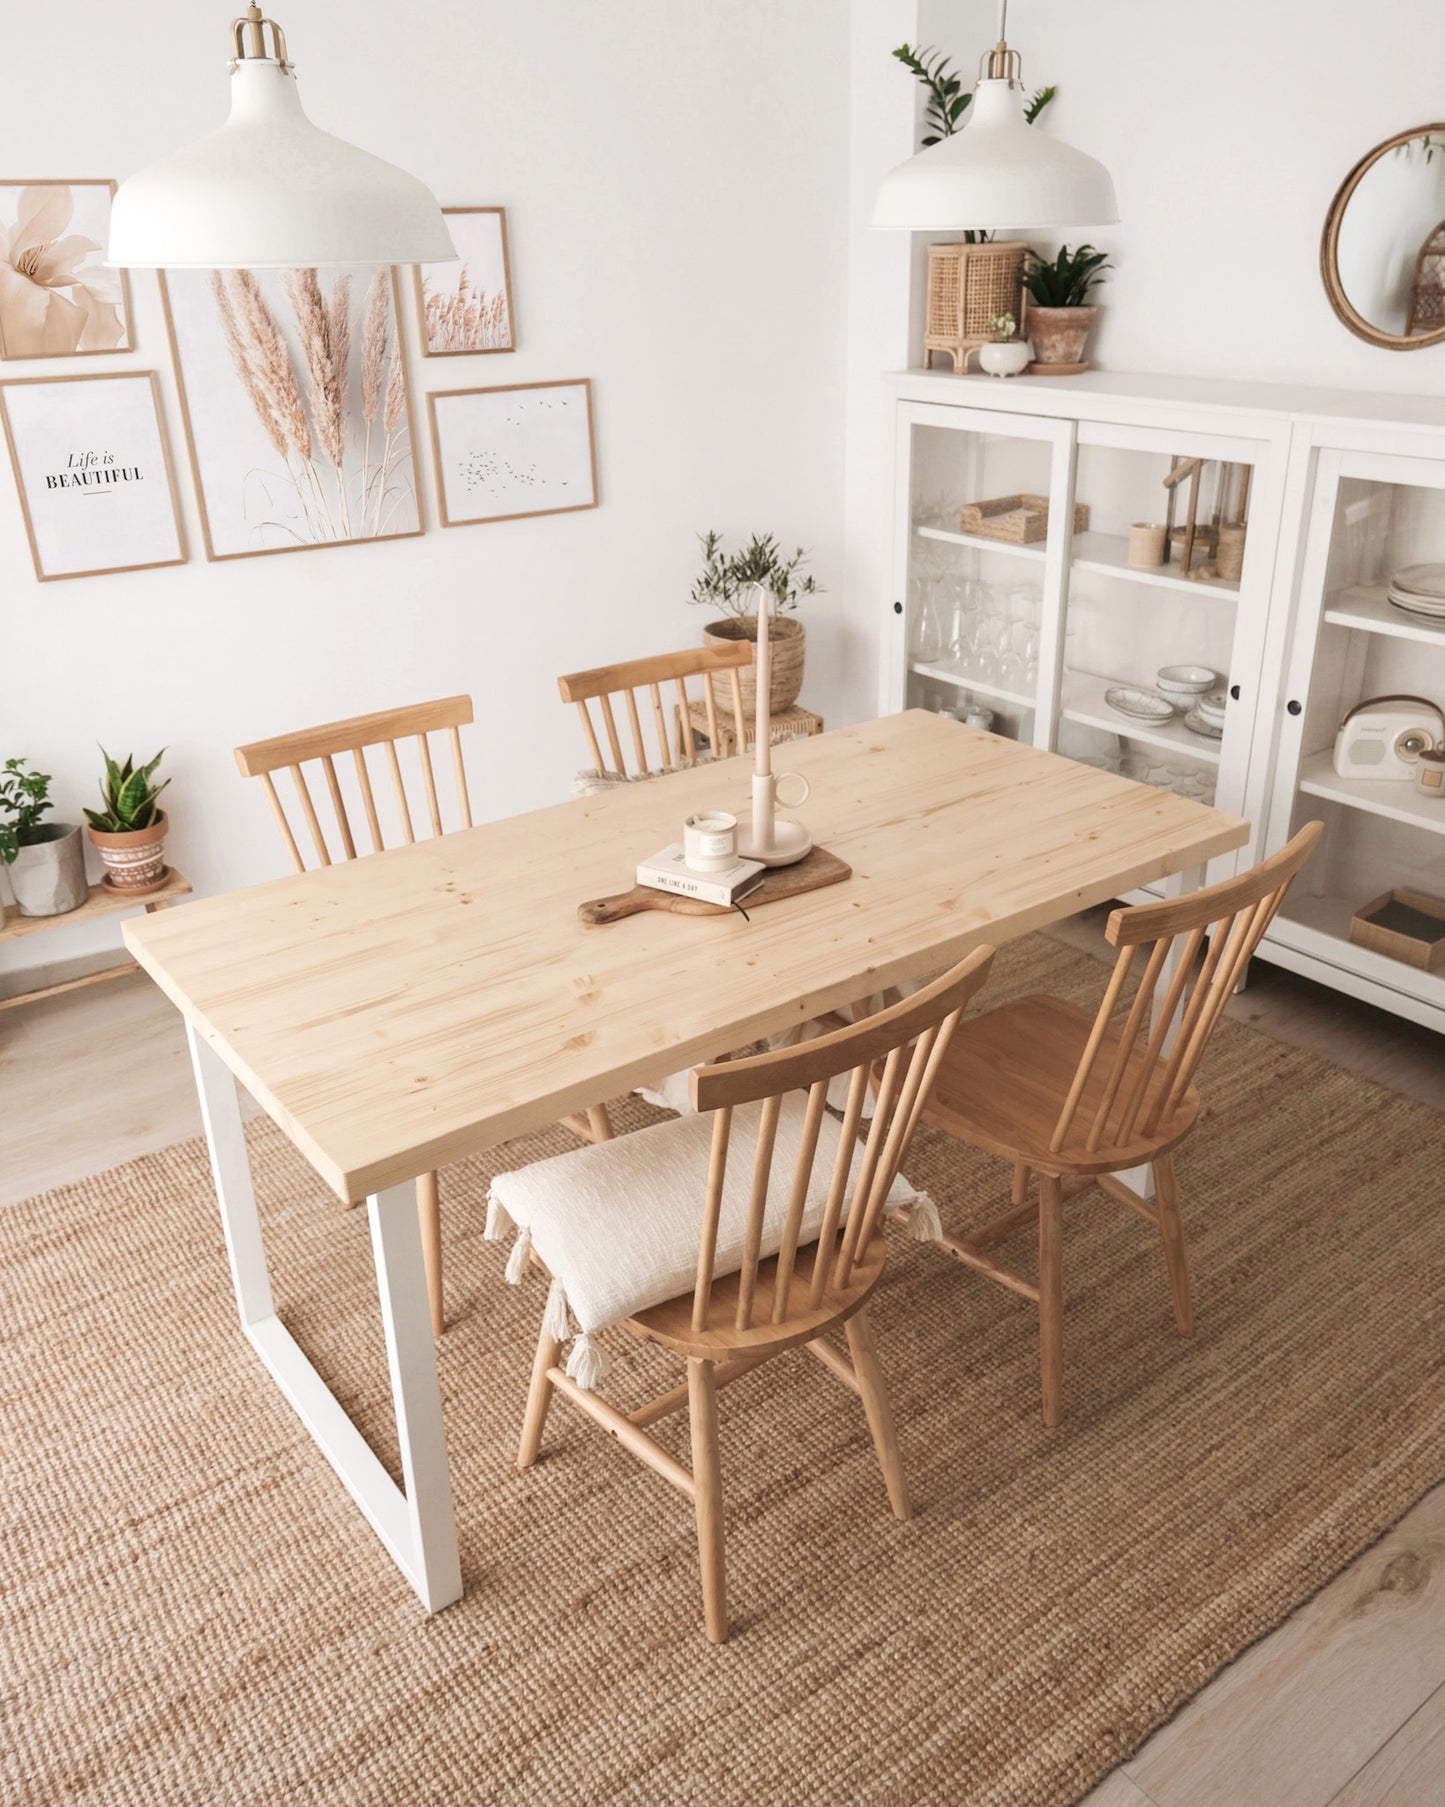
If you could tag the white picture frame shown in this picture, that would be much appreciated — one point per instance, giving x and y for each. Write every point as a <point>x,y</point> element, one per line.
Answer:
<point>94,473</point>
<point>514,450</point>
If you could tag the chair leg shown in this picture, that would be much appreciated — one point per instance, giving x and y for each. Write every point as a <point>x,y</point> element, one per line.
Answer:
<point>1171,1231</point>
<point>863,1347</point>
<point>599,1123</point>
<point>539,1397</point>
<point>429,1216</point>
<point>1020,1193</point>
<point>707,1483</point>
<point>1051,1295</point>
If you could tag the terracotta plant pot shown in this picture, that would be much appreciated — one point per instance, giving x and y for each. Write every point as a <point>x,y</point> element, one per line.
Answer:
<point>788,643</point>
<point>1059,335</point>
<point>134,863</point>
<point>48,872</point>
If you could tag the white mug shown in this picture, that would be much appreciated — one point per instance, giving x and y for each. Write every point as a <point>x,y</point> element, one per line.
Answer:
<point>710,841</point>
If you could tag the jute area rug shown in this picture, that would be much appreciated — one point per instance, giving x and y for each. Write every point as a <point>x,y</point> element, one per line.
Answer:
<point>194,1612</point>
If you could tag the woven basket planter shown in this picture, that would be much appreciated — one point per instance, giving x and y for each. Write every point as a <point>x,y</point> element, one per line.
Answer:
<point>788,643</point>
<point>134,863</point>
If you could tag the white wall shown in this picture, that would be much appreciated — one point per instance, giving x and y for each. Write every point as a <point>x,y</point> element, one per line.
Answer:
<point>675,178</point>
<point>1227,129</point>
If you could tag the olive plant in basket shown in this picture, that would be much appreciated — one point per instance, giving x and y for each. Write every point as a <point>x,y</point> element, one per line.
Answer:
<point>726,585</point>
<point>130,831</point>
<point>45,860</point>
<point>1060,316</point>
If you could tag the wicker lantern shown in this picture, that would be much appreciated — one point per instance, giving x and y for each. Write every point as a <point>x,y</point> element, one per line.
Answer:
<point>969,285</point>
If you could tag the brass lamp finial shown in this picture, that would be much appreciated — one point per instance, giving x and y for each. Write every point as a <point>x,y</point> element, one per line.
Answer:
<point>248,38</point>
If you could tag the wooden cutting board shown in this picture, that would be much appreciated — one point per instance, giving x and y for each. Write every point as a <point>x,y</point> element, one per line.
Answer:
<point>815,870</point>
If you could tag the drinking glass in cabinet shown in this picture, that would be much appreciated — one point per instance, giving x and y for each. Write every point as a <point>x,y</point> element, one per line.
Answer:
<point>926,644</point>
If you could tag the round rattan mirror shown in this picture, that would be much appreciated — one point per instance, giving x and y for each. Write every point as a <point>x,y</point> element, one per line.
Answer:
<point>1382,255</point>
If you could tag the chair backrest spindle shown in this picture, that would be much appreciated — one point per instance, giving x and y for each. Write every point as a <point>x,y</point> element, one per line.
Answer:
<point>639,683</point>
<point>293,752</point>
<point>909,1040</point>
<point>1210,938</point>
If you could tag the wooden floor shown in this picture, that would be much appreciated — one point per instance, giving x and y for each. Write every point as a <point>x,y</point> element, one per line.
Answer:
<point>1343,1706</point>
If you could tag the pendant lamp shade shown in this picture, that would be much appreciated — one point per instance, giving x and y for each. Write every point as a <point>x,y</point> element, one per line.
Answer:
<point>997,173</point>
<point>269,190</point>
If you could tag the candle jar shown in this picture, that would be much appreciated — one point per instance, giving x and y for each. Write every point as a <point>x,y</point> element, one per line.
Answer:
<point>1430,773</point>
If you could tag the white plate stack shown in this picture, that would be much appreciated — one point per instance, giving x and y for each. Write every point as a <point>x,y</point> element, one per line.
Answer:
<point>1419,590</point>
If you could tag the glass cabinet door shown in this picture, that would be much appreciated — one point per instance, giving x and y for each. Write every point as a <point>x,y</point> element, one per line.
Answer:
<point>1167,594</point>
<point>984,499</point>
<point>1365,688</point>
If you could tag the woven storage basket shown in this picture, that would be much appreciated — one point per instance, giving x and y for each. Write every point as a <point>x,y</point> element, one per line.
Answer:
<point>1019,520</point>
<point>788,644</point>
<point>969,285</point>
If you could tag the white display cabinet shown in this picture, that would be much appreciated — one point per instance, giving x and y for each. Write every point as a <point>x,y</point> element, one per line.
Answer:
<point>1342,490</point>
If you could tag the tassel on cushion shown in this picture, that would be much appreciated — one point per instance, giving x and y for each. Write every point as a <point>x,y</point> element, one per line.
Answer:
<point>924,1223</point>
<point>587,1364</point>
<point>554,1318</point>
<point>498,1223</point>
<point>517,1260</point>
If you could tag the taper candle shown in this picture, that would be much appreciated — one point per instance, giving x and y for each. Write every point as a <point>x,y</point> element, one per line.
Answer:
<point>763,708</point>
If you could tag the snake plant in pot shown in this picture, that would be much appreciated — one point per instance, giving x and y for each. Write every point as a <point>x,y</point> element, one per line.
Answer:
<point>130,832</point>
<point>45,860</point>
<point>1059,318</point>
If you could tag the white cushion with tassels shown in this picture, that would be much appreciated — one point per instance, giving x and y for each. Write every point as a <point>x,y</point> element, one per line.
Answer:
<point>618,1223</point>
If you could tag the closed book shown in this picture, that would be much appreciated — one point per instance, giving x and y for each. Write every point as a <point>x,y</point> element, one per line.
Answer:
<point>669,871</point>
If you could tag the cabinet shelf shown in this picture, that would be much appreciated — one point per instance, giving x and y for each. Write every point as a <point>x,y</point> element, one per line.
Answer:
<point>1108,554</point>
<point>1321,926</point>
<point>980,543</point>
<point>1395,801</point>
<point>1367,610</point>
<point>1084,703</point>
<point>942,674</point>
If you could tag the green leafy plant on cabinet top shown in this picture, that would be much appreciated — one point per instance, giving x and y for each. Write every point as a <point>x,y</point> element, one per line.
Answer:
<point>129,796</point>
<point>1067,280</point>
<point>24,799</point>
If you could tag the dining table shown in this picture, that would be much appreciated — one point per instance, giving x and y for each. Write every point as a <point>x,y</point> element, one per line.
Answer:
<point>398,1012</point>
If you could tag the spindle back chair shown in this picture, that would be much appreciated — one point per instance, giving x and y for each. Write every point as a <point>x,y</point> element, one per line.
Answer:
<point>1074,1099</point>
<point>829,1246</point>
<point>674,747</point>
<point>357,735</point>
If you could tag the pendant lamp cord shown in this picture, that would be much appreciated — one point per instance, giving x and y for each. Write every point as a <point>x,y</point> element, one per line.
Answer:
<point>1002,20</point>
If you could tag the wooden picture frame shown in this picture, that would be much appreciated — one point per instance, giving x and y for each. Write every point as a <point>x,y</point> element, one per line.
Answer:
<point>219,547</point>
<point>503,448</point>
<point>38,528</point>
<point>8,352</point>
<point>483,255</point>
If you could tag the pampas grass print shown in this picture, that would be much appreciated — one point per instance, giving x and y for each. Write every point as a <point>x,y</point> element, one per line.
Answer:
<point>347,484</point>
<point>467,321</point>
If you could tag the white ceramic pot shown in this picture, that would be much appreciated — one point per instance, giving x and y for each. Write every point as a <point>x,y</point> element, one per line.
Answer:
<point>1006,357</point>
<point>48,872</point>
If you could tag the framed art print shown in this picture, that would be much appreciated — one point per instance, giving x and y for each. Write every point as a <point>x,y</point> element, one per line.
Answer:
<point>57,298</point>
<point>94,473</point>
<point>523,449</point>
<point>466,306</point>
<point>298,417</point>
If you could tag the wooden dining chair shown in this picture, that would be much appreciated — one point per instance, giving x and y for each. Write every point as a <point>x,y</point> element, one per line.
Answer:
<point>1072,1098</point>
<point>639,685</point>
<point>782,1241</point>
<point>380,734</point>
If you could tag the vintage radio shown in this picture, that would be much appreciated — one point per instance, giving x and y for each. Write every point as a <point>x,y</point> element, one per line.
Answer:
<point>1384,736</point>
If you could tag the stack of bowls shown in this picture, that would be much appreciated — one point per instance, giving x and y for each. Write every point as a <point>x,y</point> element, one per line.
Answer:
<point>1190,687</point>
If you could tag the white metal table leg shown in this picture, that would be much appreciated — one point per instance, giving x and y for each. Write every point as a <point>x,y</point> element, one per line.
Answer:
<point>417,1526</point>
<point>1141,1179</point>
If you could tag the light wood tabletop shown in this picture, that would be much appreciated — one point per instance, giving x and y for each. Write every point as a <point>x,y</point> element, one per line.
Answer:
<point>408,1009</point>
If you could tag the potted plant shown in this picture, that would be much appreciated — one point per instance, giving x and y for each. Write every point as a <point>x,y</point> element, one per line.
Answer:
<point>130,832</point>
<point>1003,355</point>
<point>1060,317</point>
<point>46,860</point>
<point>726,585</point>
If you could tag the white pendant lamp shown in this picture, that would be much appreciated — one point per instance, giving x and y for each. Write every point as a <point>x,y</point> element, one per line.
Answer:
<point>268,190</point>
<point>998,172</point>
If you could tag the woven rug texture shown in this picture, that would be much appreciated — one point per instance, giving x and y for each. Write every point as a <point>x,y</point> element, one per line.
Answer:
<point>192,1611</point>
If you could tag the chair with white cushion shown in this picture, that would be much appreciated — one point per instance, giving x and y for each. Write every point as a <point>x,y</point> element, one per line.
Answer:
<point>730,1236</point>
